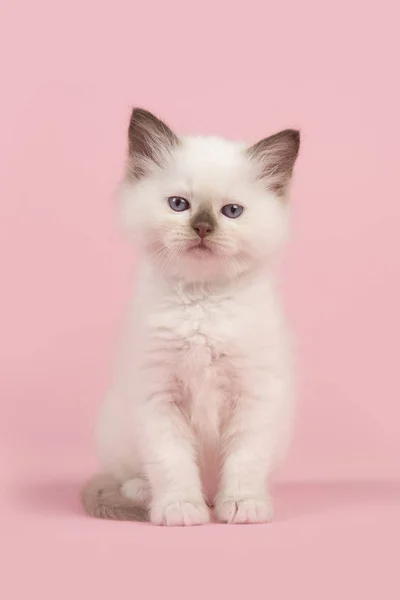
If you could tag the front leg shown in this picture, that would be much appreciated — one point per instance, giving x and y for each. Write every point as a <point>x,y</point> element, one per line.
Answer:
<point>170,464</point>
<point>253,438</point>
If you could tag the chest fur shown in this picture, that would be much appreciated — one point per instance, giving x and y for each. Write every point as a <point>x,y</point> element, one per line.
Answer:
<point>202,352</point>
<point>200,340</point>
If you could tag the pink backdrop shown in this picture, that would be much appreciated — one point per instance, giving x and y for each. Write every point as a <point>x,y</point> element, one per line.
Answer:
<point>71,70</point>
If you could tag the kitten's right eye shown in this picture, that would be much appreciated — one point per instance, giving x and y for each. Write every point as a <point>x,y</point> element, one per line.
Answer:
<point>178,204</point>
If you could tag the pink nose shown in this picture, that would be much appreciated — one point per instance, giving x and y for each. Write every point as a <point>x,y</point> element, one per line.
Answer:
<point>202,229</point>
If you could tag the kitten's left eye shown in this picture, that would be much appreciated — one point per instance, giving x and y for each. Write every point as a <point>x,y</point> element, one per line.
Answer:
<point>178,204</point>
<point>233,211</point>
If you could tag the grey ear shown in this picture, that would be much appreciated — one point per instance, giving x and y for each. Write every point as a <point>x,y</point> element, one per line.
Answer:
<point>276,156</point>
<point>149,142</point>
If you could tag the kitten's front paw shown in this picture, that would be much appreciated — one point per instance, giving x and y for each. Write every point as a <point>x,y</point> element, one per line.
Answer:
<point>243,510</point>
<point>179,513</point>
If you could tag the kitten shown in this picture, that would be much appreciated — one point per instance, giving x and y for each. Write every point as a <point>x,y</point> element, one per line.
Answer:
<point>205,377</point>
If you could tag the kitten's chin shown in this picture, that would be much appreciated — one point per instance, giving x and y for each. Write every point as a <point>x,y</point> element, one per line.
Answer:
<point>202,263</point>
<point>197,261</point>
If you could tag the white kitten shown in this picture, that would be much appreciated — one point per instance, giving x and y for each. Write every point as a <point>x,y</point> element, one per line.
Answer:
<point>204,380</point>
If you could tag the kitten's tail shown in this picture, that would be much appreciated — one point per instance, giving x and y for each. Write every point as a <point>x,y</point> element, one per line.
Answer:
<point>102,498</point>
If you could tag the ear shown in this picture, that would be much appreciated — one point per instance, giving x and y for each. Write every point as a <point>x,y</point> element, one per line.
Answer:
<point>150,140</point>
<point>276,156</point>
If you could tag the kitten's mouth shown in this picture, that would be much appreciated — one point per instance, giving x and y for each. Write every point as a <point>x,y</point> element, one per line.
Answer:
<point>201,248</point>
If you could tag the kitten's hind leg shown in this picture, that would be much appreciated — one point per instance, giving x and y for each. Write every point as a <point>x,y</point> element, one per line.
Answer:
<point>138,490</point>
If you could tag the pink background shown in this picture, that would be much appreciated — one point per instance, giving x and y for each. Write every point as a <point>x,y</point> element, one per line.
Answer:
<point>71,70</point>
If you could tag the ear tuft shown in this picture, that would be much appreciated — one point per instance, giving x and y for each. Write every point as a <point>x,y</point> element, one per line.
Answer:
<point>150,140</point>
<point>276,156</point>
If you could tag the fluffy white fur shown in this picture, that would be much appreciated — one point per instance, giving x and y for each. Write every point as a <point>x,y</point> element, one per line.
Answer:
<point>204,380</point>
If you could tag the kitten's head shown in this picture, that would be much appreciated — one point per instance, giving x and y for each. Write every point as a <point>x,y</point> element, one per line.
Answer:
<point>204,208</point>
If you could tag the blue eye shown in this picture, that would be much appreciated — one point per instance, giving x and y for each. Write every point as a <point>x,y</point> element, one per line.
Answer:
<point>178,204</point>
<point>233,211</point>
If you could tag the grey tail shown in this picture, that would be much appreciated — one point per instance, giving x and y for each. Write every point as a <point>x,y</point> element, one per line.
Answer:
<point>102,498</point>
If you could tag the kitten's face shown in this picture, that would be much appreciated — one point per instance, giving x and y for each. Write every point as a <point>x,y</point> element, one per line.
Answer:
<point>205,208</point>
